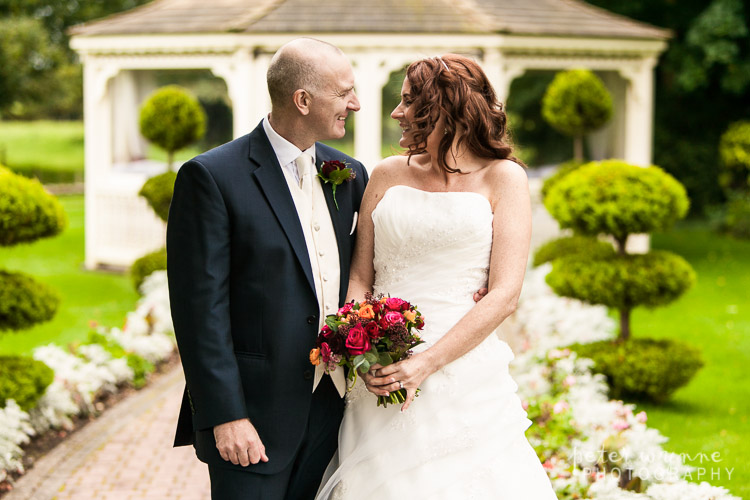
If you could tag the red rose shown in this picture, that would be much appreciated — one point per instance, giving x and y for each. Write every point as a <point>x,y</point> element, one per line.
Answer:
<point>325,352</point>
<point>393,303</point>
<point>394,318</point>
<point>405,306</point>
<point>376,307</point>
<point>357,342</point>
<point>330,166</point>
<point>344,310</point>
<point>326,332</point>
<point>383,323</point>
<point>372,329</point>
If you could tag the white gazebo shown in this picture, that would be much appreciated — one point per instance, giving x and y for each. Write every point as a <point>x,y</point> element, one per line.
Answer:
<point>235,40</point>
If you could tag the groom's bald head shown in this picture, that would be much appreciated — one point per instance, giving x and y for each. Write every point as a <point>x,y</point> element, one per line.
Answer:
<point>297,65</point>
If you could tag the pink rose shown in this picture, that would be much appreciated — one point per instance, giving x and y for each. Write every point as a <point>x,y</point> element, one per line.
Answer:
<point>357,342</point>
<point>393,303</point>
<point>325,352</point>
<point>394,318</point>
<point>372,329</point>
<point>345,309</point>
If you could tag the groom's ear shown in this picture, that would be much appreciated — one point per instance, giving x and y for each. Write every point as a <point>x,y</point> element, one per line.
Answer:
<point>301,100</point>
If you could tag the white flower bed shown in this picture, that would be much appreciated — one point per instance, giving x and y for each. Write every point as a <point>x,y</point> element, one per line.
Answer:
<point>90,372</point>
<point>608,431</point>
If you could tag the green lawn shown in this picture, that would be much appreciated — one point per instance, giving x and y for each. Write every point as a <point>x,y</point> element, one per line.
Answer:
<point>86,295</point>
<point>709,415</point>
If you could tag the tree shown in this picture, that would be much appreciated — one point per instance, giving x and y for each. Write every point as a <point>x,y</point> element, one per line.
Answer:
<point>172,119</point>
<point>575,104</point>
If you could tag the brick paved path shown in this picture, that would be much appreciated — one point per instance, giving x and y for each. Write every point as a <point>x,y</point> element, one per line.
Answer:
<point>125,454</point>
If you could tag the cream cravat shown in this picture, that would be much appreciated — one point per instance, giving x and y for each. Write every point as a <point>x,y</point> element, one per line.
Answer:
<point>306,175</point>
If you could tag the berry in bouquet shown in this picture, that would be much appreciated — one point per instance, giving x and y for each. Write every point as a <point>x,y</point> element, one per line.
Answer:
<point>381,330</point>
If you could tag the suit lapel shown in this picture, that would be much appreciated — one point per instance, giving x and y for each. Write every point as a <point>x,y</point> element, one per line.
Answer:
<point>339,224</point>
<point>275,188</point>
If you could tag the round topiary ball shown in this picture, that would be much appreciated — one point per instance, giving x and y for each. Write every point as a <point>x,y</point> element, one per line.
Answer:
<point>622,281</point>
<point>158,192</point>
<point>172,118</point>
<point>616,198</point>
<point>24,301</point>
<point>144,266</point>
<point>562,170</point>
<point>643,369</point>
<point>27,211</point>
<point>576,102</point>
<point>23,380</point>
<point>586,246</point>
<point>734,149</point>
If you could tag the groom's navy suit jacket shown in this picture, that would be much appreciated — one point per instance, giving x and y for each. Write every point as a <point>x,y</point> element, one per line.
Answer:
<point>243,297</point>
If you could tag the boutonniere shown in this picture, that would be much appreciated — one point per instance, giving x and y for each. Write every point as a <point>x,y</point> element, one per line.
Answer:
<point>336,172</point>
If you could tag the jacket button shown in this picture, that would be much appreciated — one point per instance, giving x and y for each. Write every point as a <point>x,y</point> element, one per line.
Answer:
<point>311,320</point>
<point>308,375</point>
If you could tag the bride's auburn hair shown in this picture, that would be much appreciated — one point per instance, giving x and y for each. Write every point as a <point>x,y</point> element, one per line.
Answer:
<point>455,87</point>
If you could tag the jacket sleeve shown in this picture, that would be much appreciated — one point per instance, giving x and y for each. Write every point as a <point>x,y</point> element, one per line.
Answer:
<point>198,268</point>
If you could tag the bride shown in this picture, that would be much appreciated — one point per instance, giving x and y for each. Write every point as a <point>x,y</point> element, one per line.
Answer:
<point>435,225</point>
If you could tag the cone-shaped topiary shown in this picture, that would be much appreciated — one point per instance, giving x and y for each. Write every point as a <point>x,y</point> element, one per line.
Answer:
<point>172,118</point>
<point>576,103</point>
<point>613,197</point>
<point>158,192</point>
<point>572,245</point>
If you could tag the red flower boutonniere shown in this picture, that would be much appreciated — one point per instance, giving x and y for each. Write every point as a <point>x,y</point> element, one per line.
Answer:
<point>336,172</point>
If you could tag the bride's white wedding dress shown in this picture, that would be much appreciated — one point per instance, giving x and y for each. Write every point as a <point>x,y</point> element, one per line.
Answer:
<point>463,436</point>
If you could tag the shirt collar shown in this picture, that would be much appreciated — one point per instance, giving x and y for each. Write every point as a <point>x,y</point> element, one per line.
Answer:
<point>286,152</point>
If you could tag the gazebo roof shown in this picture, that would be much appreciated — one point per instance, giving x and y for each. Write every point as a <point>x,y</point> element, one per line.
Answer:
<point>518,17</point>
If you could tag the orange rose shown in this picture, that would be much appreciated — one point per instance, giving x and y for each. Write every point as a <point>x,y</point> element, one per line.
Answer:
<point>315,356</point>
<point>382,301</point>
<point>410,315</point>
<point>366,312</point>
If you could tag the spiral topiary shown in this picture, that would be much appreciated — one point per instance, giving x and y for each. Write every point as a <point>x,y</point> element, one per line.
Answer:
<point>616,198</point>
<point>587,246</point>
<point>172,118</point>
<point>158,192</point>
<point>23,380</point>
<point>576,103</point>
<point>24,301</point>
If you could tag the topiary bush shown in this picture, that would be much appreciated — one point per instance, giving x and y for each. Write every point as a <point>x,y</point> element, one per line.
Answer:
<point>616,198</point>
<point>622,281</point>
<point>24,301</point>
<point>158,192</point>
<point>562,170</point>
<point>23,380</point>
<point>576,103</point>
<point>27,211</point>
<point>643,369</point>
<point>585,246</point>
<point>172,118</point>
<point>734,150</point>
<point>144,266</point>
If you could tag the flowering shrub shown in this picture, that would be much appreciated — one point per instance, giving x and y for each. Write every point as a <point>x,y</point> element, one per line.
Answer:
<point>84,372</point>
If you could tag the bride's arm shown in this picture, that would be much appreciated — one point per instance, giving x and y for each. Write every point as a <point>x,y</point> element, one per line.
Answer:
<point>362,272</point>
<point>510,247</point>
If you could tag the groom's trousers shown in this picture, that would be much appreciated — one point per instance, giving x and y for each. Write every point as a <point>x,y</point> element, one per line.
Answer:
<point>301,479</point>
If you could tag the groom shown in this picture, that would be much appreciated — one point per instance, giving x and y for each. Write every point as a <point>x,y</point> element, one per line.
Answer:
<point>258,254</point>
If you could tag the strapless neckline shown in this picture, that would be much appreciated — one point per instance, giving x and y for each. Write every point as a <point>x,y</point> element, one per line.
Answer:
<point>404,186</point>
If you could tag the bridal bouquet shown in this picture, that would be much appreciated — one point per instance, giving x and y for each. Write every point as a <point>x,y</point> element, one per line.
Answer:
<point>379,330</point>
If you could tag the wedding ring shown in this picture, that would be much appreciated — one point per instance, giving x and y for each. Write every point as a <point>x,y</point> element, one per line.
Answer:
<point>400,385</point>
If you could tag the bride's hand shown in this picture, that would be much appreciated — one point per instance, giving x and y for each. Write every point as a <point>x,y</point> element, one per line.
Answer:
<point>409,374</point>
<point>373,384</point>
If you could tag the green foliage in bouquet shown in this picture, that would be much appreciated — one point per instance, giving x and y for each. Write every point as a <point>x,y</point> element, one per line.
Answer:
<point>613,197</point>
<point>140,366</point>
<point>643,369</point>
<point>27,211</point>
<point>23,380</point>
<point>617,199</point>
<point>575,104</point>
<point>562,170</point>
<point>24,301</point>
<point>158,191</point>
<point>622,282</point>
<point>585,246</point>
<point>144,266</point>
<point>172,118</point>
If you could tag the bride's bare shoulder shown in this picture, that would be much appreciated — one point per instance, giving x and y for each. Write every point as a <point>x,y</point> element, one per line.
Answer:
<point>396,170</point>
<point>506,174</point>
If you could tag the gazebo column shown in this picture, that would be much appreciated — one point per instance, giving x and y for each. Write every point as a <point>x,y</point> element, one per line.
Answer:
<point>97,112</point>
<point>371,75</point>
<point>501,74</point>
<point>128,89</point>
<point>639,105</point>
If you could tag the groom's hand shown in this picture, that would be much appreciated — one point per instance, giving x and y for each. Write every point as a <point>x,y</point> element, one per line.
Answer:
<point>238,442</point>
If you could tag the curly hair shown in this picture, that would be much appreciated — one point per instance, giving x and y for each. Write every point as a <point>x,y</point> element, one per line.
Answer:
<point>455,87</point>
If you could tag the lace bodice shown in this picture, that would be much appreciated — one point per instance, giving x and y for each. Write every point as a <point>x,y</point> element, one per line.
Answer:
<point>432,249</point>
